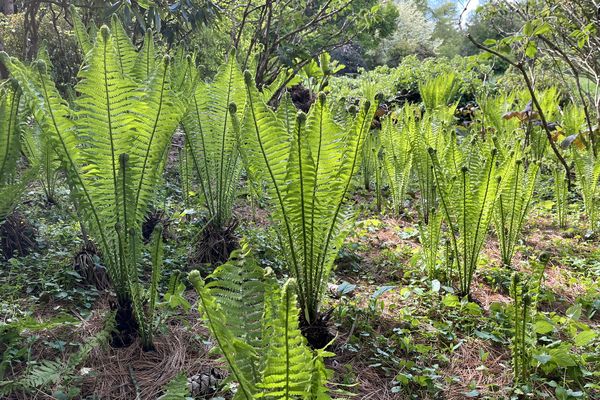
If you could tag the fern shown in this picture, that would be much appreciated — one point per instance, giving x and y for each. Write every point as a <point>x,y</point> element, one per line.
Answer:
<point>307,163</point>
<point>211,143</point>
<point>397,162</point>
<point>259,335</point>
<point>39,149</point>
<point>286,375</point>
<point>514,203</point>
<point>370,159</point>
<point>13,178</point>
<point>468,188</point>
<point>525,293</point>
<point>587,167</point>
<point>437,94</point>
<point>561,191</point>
<point>113,144</point>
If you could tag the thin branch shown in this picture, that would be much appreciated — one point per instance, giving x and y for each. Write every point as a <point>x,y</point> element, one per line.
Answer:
<point>519,66</point>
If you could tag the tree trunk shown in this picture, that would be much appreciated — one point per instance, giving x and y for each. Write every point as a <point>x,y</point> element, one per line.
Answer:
<point>8,7</point>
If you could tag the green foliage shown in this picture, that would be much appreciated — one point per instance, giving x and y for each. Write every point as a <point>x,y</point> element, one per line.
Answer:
<point>438,92</point>
<point>54,373</point>
<point>588,176</point>
<point>13,176</point>
<point>19,41</point>
<point>413,35</point>
<point>397,161</point>
<point>112,143</point>
<point>401,83</point>
<point>212,149</point>
<point>561,191</point>
<point>177,388</point>
<point>469,184</point>
<point>513,203</point>
<point>307,163</point>
<point>371,163</point>
<point>525,293</point>
<point>259,336</point>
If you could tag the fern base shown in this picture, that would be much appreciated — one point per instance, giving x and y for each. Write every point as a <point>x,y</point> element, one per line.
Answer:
<point>214,245</point>
<point>126,325</point>
<point>317,332</point>
<point>17,236</point>
<point>86,265</point>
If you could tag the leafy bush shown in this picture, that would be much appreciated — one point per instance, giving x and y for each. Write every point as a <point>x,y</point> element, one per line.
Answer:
<point>401,83</point>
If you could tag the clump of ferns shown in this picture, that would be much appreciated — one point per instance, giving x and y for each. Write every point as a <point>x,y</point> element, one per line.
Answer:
<point>397,162</point>
<point>469,183</point>
<point>587,167</point>
<point>422,135</point>
<point>112,142</point>
<point>255,325</point>
<point>524,292</point>
<point>16,172</point>
<point>514,201</point>
<point>437,94</point>
<point>560,187</point>
<point>306,162</point>
<point>213,157</point>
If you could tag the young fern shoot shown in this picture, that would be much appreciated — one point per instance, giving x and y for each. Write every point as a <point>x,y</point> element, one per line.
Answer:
<point>525,293</point>
<point>513,203</point>
<point>307,162</point>
<point>397,162</point>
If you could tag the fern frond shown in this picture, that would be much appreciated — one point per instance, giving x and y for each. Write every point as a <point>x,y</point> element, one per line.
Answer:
<point>232,349</point>
<point>397,161</point>
<point>81,33</point>
<point>285,375</point>
<point>124,49</point>
<point>514,202</point>
<point>211,139</point>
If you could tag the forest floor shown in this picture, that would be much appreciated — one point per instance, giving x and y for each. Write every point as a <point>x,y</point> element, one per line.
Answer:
<point>399,333</point>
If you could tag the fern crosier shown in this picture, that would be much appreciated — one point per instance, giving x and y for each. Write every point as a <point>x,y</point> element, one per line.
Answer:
<point>307,163</point>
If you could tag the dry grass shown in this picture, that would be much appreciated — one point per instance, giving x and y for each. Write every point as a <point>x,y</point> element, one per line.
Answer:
<point>467,370</point>
<point>130,373</point>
